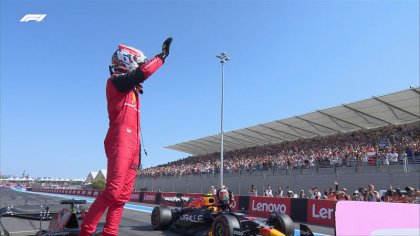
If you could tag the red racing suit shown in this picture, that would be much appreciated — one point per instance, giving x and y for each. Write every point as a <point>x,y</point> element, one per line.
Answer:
<point>122,147</point>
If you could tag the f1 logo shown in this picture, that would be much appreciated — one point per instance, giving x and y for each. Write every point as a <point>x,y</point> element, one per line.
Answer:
<point>33,17</point>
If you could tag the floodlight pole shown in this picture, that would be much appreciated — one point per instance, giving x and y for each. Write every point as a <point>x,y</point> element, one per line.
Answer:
<point>223,57</point>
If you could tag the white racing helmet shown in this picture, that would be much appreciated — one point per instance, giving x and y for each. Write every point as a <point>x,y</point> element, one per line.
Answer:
<point>127,58</point>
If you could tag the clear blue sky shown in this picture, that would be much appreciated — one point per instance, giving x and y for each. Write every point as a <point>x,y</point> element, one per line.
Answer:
<point>288,58</point>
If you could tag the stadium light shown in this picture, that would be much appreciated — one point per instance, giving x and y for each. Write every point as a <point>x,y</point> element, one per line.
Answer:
<point>223,58</point>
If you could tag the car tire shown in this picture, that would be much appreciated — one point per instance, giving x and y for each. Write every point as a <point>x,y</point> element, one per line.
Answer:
<point>224,224</point>
<point>161,217</point>
<point>284,224</point>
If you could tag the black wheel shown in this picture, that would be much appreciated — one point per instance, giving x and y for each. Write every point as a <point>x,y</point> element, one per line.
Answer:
<point>224,224</point>
<point>283,223</point>
<point>161,217</point>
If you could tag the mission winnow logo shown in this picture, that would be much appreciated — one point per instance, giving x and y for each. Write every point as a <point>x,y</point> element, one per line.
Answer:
<point>33,17</point>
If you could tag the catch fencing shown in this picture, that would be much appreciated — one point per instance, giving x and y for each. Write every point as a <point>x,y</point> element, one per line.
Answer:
<point>351,176</point>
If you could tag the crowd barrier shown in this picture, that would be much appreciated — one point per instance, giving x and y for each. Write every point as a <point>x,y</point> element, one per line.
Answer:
<point>317,212</point>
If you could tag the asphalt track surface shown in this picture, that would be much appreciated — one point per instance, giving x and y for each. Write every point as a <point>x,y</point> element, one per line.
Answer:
<point>135,219</point>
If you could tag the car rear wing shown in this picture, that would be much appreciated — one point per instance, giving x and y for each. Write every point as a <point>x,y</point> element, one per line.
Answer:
<point>176,199</point>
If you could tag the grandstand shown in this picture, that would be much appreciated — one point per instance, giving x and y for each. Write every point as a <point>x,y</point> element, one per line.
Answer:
<point>370,141</point>
<point>391,109</point>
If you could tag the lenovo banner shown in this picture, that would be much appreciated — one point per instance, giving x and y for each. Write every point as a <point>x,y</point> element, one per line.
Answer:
<point>168,194</point>
<point>264,206</point>
<point>149,197</point>
<point>321,212</point>
<point>135,197</point>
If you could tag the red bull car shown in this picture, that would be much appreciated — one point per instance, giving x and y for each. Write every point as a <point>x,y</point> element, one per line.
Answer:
<point>204,217</point>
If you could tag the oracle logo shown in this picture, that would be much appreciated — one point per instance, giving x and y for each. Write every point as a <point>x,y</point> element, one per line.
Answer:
<point>322,213</point>
<point>149,197</point>
<point>135,196</point>
<point>268,207</point>
<point>192,218</point>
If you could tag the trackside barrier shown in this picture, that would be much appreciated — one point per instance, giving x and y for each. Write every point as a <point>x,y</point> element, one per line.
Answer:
<point>95,193</point>
<point>236,207</point>
<point>321,212</point>
<point>397,199</point>
<point>166,195</point>
<point>311,211</point>
<point>192,195</point>
<point>148,197</point>
<point>299,209</point>
<point>135,197</point>
<point>263,206</point>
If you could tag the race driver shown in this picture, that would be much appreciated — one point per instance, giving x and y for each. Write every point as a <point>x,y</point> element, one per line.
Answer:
<point>225,198</point>
<point>130,68</point>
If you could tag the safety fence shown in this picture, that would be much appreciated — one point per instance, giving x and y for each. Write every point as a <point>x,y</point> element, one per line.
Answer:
<point>310,211</point>
<point>349,167</point>
<point>376,165</point>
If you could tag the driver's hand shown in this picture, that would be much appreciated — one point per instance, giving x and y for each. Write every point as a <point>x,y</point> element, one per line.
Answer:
<point>165,48</point>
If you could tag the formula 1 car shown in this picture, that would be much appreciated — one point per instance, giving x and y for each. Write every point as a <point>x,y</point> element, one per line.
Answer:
<point>62,220</point>
<point>204,217</point>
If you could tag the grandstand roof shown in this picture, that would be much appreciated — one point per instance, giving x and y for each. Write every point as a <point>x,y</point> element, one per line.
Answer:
<point>391,109</point>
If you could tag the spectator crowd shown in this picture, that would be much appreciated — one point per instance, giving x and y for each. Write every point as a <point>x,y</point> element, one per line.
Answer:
<point>382,146</point>
<point>406,195</point>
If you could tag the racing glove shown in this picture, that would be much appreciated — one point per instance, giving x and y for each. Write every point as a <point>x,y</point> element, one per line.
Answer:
<point>165,49</point>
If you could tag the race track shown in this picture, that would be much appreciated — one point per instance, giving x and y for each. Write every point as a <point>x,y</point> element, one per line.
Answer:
<point>135,220</point>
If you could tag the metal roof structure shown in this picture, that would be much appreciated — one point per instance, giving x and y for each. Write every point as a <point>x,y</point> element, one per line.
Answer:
<point>392,109</point>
